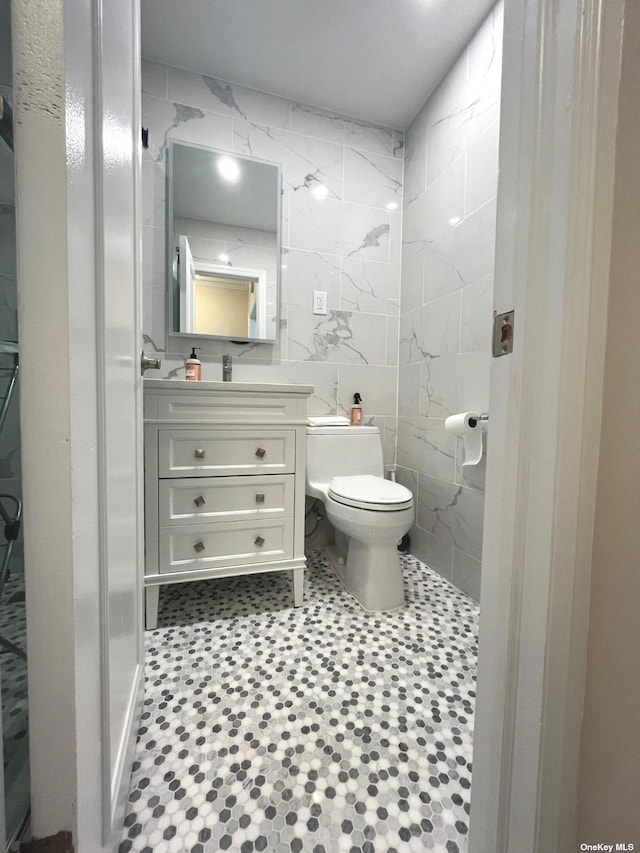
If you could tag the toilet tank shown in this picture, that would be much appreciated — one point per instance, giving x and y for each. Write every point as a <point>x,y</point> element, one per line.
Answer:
<point>342,451</point>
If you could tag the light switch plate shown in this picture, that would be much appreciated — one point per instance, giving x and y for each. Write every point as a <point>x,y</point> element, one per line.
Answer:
<point>319,301</point>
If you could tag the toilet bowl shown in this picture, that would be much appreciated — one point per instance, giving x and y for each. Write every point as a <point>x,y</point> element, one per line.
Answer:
<point>370,514</point>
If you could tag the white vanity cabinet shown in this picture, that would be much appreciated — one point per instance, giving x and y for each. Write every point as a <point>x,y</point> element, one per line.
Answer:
<point>224,482</point>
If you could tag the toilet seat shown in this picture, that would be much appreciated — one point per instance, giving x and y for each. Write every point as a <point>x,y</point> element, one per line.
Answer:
<point>370,493</point>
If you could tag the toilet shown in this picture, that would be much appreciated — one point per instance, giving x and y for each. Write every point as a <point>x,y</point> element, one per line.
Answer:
<point>370,514</point>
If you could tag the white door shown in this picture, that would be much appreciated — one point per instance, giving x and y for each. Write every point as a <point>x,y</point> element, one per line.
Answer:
<point>120,328</point>
<point>78,237</point>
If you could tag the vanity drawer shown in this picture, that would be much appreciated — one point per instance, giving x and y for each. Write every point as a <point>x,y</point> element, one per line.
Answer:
<point>190,547</point>
<point>198,405</point>
<point>220,499</point>
<point>200,453</point>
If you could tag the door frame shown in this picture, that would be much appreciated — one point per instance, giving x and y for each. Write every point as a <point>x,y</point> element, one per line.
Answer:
<point>557,155</point>
<point>78,609</point>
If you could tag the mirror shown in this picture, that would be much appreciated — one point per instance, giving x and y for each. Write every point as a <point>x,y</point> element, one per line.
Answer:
<point>223,244</point>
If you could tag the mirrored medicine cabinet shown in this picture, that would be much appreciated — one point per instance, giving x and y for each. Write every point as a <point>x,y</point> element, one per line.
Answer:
<point>223,244</point>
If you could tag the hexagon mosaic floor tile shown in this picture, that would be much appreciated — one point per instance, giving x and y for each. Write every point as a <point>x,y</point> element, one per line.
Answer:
<point>320,728</point>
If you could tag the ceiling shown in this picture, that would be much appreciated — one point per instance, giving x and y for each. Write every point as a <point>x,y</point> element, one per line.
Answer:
<point>376,60</point>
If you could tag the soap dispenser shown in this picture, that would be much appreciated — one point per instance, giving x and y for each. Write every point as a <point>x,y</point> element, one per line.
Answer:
<point>356,411</point>
<point>194,366</point>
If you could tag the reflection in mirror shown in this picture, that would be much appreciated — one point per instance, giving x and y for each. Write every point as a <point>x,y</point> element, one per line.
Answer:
<point>223,244</point>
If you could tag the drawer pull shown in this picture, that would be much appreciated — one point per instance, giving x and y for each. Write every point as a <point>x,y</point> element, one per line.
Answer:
<point>199,454</point>
<point>260,452</point>
<point>259,497</point>
<point>199,546</point>
<point>199,501</point>
<point>259,541</point>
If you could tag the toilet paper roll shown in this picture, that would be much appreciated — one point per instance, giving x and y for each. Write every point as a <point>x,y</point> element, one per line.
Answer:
<point>468,426</point>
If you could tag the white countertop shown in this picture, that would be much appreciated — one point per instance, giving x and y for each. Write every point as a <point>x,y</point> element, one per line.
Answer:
<point>229,387</point>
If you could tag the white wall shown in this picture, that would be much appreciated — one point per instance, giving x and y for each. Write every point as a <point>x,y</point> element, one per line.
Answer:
<point>347,244</point>
<point>450,186</point>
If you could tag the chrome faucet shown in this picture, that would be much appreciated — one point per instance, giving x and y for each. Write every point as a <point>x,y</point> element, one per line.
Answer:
<point>226,367</point>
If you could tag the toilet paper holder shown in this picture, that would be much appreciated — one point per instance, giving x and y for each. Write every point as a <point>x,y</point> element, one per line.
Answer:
<point>474,421</point>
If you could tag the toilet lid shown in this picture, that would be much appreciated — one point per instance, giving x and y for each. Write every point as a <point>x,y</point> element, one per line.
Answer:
<point>369,492</point>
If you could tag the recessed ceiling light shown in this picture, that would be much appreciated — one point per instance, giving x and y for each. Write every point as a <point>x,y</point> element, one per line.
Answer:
<point>393,205</point>
<point>455,220</point>
<point>228,169</point>
<point>224,258</point>
<point>320,191</point>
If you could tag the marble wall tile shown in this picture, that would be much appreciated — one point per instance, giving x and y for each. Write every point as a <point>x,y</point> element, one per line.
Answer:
<point>397,143</point>
<point>424,446</point>
<point>408,479</point>
<point>167,120</point>
<point>370,287</point>
<point>387,427</point>
<point>350,230</point>
<point>436,553</point>
<point>323,377</point>
<point>153,320</point>
<point>451,513</point>
<point>389,443</point>
<point>341,336</point>
<point>450,186</point>
<point>306,162</point>
<point>439,208</point>
<point>153,257</point>
<point>372,179</point>
<point>448,139</point>
<point>218,96</point>
<point>346,131</point>
<point>251,361</point>
<point>467,574</point>
<point>467,102</point>
<point>376,385</point>
<point>476,327</point>
<point>485,52</point>
<point>459,383</point>
<point>415,164</point>
<point>461,255</point>
<point>431,331</point>
<point>212,349</point>
<point>412,275</point>
<point>155,77</point>
<point>395,237</point>
<point>303,272</point>
<point>409,390</point>
<point>482,169</point>
<point>393,334</point>
<point>154,178</point>
<point>471,476</point>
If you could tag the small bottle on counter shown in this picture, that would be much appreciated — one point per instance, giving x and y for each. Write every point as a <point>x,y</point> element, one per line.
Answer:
<point>356,411</point>
<point>194,366</point>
